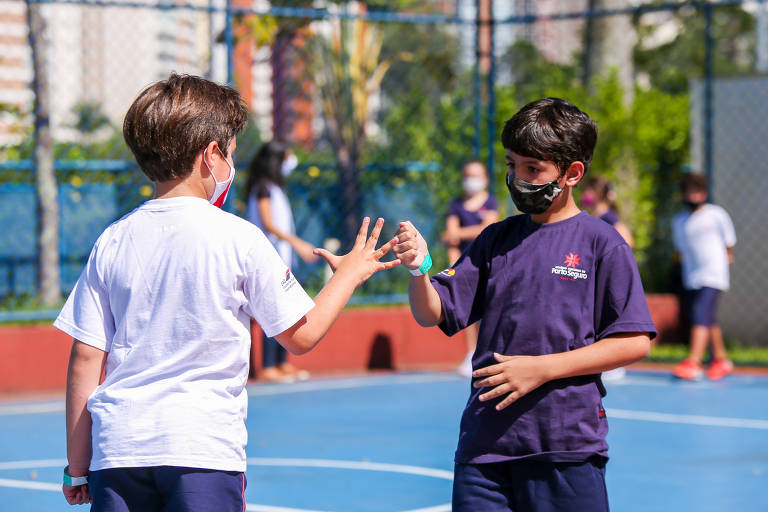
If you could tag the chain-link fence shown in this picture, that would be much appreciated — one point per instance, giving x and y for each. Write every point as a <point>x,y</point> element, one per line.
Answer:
<point>382,102</point>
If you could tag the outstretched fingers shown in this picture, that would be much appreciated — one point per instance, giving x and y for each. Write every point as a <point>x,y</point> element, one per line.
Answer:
<point>362,234</point>
<point>374,238</point>
<point>384,249</point>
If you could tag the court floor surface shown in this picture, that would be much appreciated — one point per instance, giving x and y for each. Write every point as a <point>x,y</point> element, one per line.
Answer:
<point>385,443</point>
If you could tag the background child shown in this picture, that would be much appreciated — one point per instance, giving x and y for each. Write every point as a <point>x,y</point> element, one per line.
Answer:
<point>560,299</point>
<point>598,196</point>
<point>163,306</point>
<point>467,217</point>
<point>705,238</point>
<point>270,210</point>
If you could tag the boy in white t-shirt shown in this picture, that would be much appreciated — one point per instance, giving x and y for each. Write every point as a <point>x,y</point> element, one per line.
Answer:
<point>163,306</point>
<point>704,237</point>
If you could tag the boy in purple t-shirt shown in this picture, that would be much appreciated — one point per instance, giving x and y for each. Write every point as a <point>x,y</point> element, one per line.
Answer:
<point>561,301</point>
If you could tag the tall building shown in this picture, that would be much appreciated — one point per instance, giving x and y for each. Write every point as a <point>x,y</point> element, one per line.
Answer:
<point>97,56</point>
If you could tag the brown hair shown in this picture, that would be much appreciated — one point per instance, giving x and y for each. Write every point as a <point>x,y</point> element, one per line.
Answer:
<point>171,121</point>
<point>693,181</point>
<point>551,129</point>
<point>603,188</point>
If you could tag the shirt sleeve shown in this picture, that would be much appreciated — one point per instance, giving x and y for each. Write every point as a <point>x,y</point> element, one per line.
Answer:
<point>455,208</point>
<point>462,288</point>
<point>262,191</point>
<point>676,233</point>
<point>620,303</point>
<point>86,315</point>
<point>728,231</point>
<point>276,300</point>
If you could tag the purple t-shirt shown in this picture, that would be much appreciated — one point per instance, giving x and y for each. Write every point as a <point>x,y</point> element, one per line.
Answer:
<point>471,218</point>
<point>541,289</point>
<point>610,217</point>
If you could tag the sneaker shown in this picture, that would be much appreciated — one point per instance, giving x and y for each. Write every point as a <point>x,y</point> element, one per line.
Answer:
<point>688,370</point>
<point>719,369</point>
<point>465,368</point>
<point>615,374</point>
<point>273,374</point>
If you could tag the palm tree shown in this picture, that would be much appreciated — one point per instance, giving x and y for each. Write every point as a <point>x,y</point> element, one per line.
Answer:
<point>49,283</point>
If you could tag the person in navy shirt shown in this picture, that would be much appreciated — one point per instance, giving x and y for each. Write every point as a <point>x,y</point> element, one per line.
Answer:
<point>561,301</point>
<point>467,216</point>
<point>598,196</point>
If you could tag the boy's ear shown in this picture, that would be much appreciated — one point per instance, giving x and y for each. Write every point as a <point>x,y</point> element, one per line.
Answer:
<point>209,154</point>
<point>574,173</point>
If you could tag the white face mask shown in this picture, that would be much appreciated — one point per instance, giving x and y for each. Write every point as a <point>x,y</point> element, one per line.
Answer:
<point>473,185</point>
<point>221,189</point>
<point>289,164</point>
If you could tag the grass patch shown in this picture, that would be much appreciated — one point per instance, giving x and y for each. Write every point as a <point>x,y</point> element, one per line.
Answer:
<point>740,355</point>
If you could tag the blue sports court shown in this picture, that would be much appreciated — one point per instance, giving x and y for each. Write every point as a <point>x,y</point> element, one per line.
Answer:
<point>385,443</point>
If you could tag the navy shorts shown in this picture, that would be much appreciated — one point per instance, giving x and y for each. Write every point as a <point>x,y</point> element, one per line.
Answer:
<point>702,306</point>
<point>166,489</point>
<point>530,486</point>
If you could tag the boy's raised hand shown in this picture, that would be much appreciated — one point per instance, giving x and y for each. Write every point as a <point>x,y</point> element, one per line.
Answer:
<point>411,248</point>
<point>363,260</point>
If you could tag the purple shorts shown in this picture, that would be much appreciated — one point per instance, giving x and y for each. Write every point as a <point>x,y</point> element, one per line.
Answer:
<point>166,489</point>
<point>702,306</point>
<point>530,486</point>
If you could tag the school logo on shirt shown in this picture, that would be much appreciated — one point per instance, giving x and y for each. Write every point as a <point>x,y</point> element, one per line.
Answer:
<point>569,270</point>
<point>288,281</point>
<point>448,272</point>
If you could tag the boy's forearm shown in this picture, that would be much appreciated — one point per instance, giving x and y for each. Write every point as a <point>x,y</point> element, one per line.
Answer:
<point>329,304</point>
<point>606,354</point>
<point>426,306</point>
<point>83,374</point>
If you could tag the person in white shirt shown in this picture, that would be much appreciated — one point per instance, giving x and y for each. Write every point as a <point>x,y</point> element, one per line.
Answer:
<point>163,308</point>
<point>704,236</point>
<point>269,208</point>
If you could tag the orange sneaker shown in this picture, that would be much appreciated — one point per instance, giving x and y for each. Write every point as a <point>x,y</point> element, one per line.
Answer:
<point>688,370</point>
<point>719,369</point>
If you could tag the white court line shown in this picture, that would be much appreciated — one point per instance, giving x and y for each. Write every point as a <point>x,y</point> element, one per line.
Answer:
<point>28,484</point>
<point>438,508</point>
<point>34,464</point>
<point>45,486</point>
<point>37,408</point>
<point>331,384</point>
<point>351,464</point>
<point>687,419</point>
<point>268,508</point>
<point>262,390</point>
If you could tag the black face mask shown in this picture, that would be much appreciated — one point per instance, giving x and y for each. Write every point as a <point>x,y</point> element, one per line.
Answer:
<point>530,198</point>
<point>692,206</point>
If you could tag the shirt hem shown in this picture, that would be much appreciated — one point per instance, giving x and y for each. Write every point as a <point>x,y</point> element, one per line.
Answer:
<point>218,465</point>
<point>629,327</point>
<point>79,334</point>
<point>290,321</point>
<point>490,458</point>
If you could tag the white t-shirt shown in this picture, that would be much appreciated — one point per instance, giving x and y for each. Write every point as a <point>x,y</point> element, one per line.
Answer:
<point>168,292</point>
<point>702,237</point>
<point>282,218</point>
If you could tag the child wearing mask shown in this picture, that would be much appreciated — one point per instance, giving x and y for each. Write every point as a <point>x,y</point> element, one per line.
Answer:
<point>161,310</point>
<point>561,301</point>
<point>704,236</point>
<point>269,209</point>
<point>467,217</point>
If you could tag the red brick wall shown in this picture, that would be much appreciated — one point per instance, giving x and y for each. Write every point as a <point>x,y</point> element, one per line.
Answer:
<point>35,358</point>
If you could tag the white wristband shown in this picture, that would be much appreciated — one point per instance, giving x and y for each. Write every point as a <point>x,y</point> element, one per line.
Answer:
<point>424,267</point>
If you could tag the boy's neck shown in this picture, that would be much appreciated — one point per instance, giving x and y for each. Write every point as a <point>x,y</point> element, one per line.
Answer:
<point>556,213</point>
<point>179,188</point>
<point>601,208</point>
